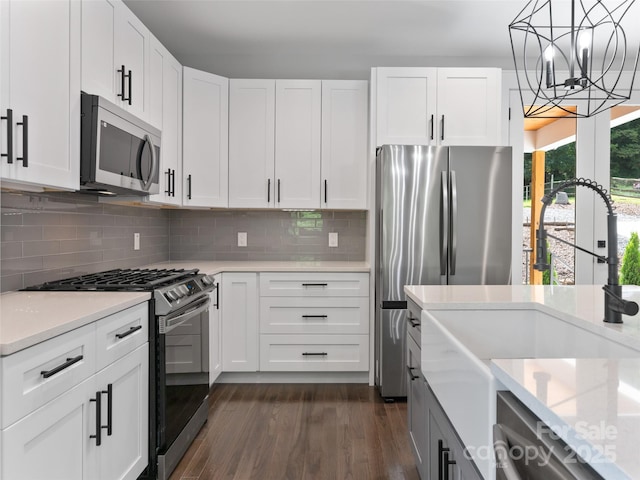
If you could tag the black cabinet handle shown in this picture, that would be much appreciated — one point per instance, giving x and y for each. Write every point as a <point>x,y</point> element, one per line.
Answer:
<point>122,84</point>
<point>25,141</point>
<point>431,124</point>
<point>442,129</point>
<point>278,190</point>
<point>314,284</point>
<point>413,322</point>
<point>109,392</point>
<point>217,296</point>
<point>173,183</point>
<point>325,191</point>
<point>268,190</point>
<point>98,435</point>
<point>128,332</point>
<point>130,90</point>
<point>412,377</point>
<point>59,368</point>
<point>314,316</point>
<point>314,354</point>
<point>447,464</point>
<point>189,187</point>
<point>9,119</point>
<point>168,189</point>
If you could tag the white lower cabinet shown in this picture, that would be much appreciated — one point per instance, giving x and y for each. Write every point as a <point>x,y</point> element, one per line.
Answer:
<point>239,293</point>
<point>215,332</point>
<point>82,421</point>
<point>314,322</point>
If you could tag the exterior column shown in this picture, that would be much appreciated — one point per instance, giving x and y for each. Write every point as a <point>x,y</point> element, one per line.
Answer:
<point>537,191</point>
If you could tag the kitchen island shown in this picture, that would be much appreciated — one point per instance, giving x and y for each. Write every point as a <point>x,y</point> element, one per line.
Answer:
<point>580,376</point>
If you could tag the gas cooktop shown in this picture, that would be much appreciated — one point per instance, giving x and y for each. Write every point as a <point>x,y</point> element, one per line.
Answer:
<point>119,280</point>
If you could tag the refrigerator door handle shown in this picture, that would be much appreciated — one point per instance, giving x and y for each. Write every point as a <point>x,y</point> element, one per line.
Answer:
<point>453,222</point>
<point>444,218</point>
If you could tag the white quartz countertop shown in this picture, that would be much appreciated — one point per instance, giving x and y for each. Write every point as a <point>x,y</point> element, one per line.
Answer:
<point>28,318</point>
<point>593,403</point>
<point>213,267</point>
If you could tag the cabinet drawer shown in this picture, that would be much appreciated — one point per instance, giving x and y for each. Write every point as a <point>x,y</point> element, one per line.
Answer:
<point>315,284</point>
<point>346,315</point>
<point>121,333</point>
<point>38,374</point>
<point>314,353</point>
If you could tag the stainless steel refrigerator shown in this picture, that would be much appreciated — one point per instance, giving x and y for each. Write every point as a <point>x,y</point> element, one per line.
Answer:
<point>443,216</point>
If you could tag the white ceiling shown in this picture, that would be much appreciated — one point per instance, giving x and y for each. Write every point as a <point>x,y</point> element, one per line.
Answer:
<point>340,39</point>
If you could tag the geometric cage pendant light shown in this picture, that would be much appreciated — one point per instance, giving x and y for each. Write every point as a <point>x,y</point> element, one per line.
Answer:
<point>570,52</point>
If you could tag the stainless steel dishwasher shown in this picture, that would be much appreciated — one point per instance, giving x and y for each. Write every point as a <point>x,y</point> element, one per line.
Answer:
<point>524,451</point>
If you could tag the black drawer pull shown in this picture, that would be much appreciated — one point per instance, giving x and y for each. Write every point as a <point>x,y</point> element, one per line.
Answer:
<point>168,189</point>
<point>109,392</point>
<point>413,322</point>
<point>314,316</point>
<point>59,368</point>
<point>173,183</point>
<point>314,284</point>
<point>189,187</point>
<point>9,119</point>
<point>412,377</point>
<point>315,354</point>
<point>268,190</point>
<point>129,332</point>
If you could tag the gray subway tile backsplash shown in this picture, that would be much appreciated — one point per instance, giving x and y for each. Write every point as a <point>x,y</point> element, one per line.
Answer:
<point>47,237</point>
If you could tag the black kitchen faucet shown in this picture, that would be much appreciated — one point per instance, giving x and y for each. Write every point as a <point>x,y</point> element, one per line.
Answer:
<point>614,304</point>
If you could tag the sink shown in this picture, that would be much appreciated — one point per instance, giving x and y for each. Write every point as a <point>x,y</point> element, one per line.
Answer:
<point>458,345</point>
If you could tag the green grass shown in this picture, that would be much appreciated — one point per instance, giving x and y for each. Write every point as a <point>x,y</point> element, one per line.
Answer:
<point>631,200</point>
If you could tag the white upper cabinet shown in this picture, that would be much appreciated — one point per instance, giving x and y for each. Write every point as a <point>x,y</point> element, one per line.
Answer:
<point>115,55</point>
<point>251,143</point>
<point>344,144</point>
<point>438,106</point>
<point>40,93</point>
<point>298,123</point>
<point>469,106</point>
<point>406,106</point>
<point>166,114</point>
<point>205,151</point>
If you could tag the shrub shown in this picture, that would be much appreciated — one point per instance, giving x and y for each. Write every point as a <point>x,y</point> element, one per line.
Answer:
<point>630,271</point>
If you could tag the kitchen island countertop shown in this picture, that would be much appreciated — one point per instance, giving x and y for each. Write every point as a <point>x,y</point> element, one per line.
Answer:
<point>592,404</point>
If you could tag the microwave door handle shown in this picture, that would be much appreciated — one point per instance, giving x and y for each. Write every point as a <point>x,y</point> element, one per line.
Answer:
<point>146,185</point>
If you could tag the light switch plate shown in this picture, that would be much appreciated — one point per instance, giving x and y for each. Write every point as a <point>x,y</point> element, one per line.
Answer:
<point>333,239</point>
<point>242,239</point>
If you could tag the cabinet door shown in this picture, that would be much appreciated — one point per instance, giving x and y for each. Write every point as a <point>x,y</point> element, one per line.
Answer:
<point>469,106</point>
<point>125,449</point>
<point>251,143</point>
<point>205,139</point>
<point>298,109</point>
<point>99,74</point>
<point>215,331</point>
<point>417,407</point>
<point>239,322</point>
<point>406,106</point>
<point>53,442</point>
<point>344,144</point>
<point>132,52</point>
<point>40,78</point>
<point>166,108</point>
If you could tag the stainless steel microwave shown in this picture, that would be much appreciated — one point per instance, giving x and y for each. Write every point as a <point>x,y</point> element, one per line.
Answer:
<point>119,153</point>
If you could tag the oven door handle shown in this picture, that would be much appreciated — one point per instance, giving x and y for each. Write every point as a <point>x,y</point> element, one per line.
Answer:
<point>168,323</point>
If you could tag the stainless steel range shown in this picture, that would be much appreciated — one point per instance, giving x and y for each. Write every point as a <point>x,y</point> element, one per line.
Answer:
<point>179,352</point>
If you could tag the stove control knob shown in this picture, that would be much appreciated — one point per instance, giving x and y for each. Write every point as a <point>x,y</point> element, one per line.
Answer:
<point>183,290</point>
<point>207,280</point>
<point>172,295</point>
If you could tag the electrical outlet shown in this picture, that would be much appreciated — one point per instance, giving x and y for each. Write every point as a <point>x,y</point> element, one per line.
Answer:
<point>136,241</point>
<point>242,239</point>
<point>333,239</point>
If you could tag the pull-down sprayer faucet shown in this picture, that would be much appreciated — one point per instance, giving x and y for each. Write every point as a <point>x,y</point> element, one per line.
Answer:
<point>614,304</point>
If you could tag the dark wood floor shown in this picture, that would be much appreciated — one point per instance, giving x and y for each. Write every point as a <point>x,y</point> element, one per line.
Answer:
<point>300,431</point>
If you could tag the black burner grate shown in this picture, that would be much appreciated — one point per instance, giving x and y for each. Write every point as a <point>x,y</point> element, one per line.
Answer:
<point>118,280</point>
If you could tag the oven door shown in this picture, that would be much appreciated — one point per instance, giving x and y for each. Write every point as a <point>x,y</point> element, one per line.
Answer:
<point>183,380</point>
